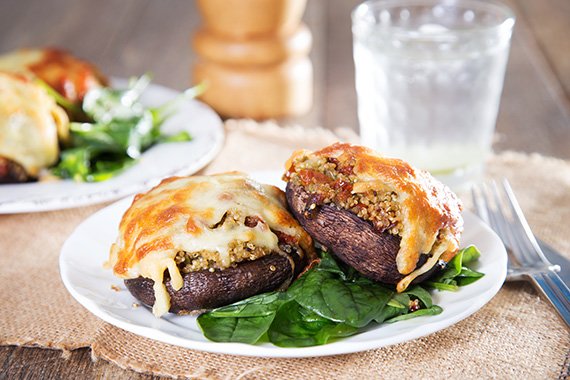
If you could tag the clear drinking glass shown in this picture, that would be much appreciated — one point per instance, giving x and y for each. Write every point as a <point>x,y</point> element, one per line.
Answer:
<point>429,77</point>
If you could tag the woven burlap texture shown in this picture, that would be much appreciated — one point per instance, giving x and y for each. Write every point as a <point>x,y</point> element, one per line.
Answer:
<point>517,334</point>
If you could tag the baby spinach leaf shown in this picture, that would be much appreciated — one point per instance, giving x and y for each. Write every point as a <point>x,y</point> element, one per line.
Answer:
<point>461,259</point>
<point>74,163</point>
<point>434,310</point>
<point>296,287</point>
<point>456,273</point>
<point>442,286</point>
<point>469,255</point>
<point>462,281</point>
<point>178,137</point>
<point>421,294</point>
<point>245,321</point>
<point>397,305</point>
<point>354,304</point>
<point>96,136</point>
<point>310,295</point>
<point>466,272</point>
<point>329,264</point>
<point>296,326</point>
<point>342,301</point>
<point>233,329</point>
<point>260,305</point>
<point>105,170</point>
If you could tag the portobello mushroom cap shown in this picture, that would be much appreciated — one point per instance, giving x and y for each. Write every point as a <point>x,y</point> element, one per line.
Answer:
<point>204,290</point>
<point>390,221</point>
<point>12,172</point>
<point>200,242</point>
<point>353,240</point>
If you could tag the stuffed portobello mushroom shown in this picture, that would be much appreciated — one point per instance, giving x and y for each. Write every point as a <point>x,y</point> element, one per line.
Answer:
<point>392,223</point>
<point>196,243</point>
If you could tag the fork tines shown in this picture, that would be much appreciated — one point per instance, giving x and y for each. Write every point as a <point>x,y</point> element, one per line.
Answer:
<point>498,206</point>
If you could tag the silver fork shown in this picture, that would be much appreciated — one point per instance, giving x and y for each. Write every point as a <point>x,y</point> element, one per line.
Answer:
<point>499,208</point>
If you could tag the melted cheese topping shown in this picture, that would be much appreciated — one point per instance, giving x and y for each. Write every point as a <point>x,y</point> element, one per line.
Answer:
<point>180,214</point>
<point>68,75</point>
<point>29,123</point>
<point>430,212</point>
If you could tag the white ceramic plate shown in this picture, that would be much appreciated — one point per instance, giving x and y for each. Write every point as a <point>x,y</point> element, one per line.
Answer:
<point>84,252</point>
<point>160,161</point>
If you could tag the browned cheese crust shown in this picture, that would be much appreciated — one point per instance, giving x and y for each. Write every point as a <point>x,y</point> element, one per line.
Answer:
<point>206,240</point>
<point>70,76</point>
<point>390,196</point>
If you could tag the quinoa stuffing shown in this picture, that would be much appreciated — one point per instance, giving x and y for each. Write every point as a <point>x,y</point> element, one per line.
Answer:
<point>331,183</point>
<point>238,250</point>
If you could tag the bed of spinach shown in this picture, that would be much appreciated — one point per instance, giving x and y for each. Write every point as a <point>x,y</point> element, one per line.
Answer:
<point>328,302</point>
<point>118,128</point>
<point>457,273</point>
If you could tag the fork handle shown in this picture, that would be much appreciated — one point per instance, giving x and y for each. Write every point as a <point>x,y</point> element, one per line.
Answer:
<point>552,286</point>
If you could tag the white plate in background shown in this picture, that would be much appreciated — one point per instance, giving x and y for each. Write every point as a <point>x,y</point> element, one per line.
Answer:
<point>162,160</point>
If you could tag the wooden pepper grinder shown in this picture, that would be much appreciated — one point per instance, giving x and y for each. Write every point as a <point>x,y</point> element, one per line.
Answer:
<point>253,56</point>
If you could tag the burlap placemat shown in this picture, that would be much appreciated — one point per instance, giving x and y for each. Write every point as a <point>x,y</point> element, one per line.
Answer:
<point>517,334</point>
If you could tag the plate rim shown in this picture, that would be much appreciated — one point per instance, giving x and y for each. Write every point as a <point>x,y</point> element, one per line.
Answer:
<point>241,349</point>
<point>52,203</point>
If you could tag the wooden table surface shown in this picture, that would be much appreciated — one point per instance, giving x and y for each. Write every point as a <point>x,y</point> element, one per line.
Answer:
<point>130,37</point>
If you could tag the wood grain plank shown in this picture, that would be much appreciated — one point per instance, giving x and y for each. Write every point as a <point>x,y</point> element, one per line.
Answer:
<point>340,92</point>
<point>150,42</point>
<point>533,117</point>
<point>9,10</point>
<point>83,27</point>
<point>549,21</point>
<point>36,363</point>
